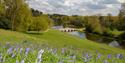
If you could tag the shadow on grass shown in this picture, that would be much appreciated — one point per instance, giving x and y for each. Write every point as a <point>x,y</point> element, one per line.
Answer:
<point>34,33</point>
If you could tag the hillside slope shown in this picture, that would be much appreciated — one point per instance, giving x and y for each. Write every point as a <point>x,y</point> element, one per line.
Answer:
<point>54,38</point>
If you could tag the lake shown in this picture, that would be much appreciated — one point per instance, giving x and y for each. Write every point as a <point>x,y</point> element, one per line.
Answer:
<point>100,39</point>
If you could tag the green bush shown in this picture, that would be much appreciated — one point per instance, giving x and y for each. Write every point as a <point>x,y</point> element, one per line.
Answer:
<point>5,23</point>
<point>40,23</point>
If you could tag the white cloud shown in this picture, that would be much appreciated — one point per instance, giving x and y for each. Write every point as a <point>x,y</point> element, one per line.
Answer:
<point>121,1</point>
<point>77,7</point>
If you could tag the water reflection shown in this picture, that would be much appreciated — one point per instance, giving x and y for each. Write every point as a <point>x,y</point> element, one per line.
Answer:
<point>113,42</point>
<point>79,34</point>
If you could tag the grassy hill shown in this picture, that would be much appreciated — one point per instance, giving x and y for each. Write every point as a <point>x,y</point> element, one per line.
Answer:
<point>54,38</point>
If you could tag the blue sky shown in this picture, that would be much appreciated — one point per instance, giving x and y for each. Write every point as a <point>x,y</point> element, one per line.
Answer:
<point>77,7</point>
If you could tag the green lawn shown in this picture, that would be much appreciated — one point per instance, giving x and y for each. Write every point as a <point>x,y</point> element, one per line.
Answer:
<point>54,38</point>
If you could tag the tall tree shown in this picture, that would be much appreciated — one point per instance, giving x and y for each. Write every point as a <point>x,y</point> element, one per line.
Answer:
<point>121,23</point>
<point>18,13</point>
<point>13,7</point>
<point>24,18</point>
<point>2,7</point>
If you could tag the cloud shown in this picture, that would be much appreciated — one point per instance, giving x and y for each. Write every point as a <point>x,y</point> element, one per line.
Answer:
<point>109,2</point>
<point>77,7</point>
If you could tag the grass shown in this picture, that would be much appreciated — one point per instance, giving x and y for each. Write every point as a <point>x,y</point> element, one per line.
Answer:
<point>58,47</point>
<point>49,55</point>
<point>54,38</point>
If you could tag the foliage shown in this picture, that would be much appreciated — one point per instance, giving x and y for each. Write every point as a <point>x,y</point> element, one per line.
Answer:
<point>24,19</point>
<point>40,23</point>
<point>2,8</point>
<point>36,12</point>
<point>5,23</point>
<point>68,21</point>
<point>93,25</point>
<point>19,17</point>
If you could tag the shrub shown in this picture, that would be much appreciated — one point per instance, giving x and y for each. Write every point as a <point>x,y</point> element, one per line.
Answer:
<point>5,23</point>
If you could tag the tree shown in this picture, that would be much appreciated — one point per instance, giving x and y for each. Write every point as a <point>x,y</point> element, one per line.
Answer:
<point>121,23</point>
<point>2,8</point>
<point>12,11</point>
<point>19,14</point>
<point>40,23</point>
<point>36,12</point>
<point>5,23</point>
<point>93,25</point>
<point>24,18</point>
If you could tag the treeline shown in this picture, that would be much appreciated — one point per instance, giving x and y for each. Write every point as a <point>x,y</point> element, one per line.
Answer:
<point>17,16</point>
<point>95,24</point>
<point>68,21</point>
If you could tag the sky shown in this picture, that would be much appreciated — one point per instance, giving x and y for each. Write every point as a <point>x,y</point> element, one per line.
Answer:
<point>77,7</point>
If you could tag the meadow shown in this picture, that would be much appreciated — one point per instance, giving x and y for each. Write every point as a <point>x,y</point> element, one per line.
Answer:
<point>17,54</point>
<point>54,47</point>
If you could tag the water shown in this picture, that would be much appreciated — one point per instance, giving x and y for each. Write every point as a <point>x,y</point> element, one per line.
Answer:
<point>78,34</point>
<point>100,39</point>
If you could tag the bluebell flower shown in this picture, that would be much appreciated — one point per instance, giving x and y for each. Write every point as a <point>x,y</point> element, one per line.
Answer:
<point>1,57</point>
<point>99,56</point>
<point>22,61</point>
<point>54,51</point>
<point>27,51</point>
<point>87,55</point>
<point>105,61</point>
<point>63,51</point>
<point>10,50</point>
<point>109,56</point>
<point>61,61</point>
<point>85,60</point>
<point>21,49</point>
<point>119,56</point>
<point>17,61</point>
<point>13,55</point>
<point>39,56</point>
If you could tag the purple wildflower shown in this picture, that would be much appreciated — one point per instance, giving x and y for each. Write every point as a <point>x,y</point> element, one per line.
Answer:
<point>99,56</point>
<point>16,49</point>
<point>39,57</point>
<point>17,61</point>
<point>85,60</point>
<point>105,61</point>
<point>73,56</point>
<point>119,56</point>
<point>54,51</point>
<point>21,49</point>
<point>0,57</point>
<point>109,56</point>
<point>13,55</point>
<point>63,51</point>
<point>27,51</point>
<point>10,50</point>
<point>96,51</point>
<point>61,61</point>
<point>22,61</point>
<point>87,55</point>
